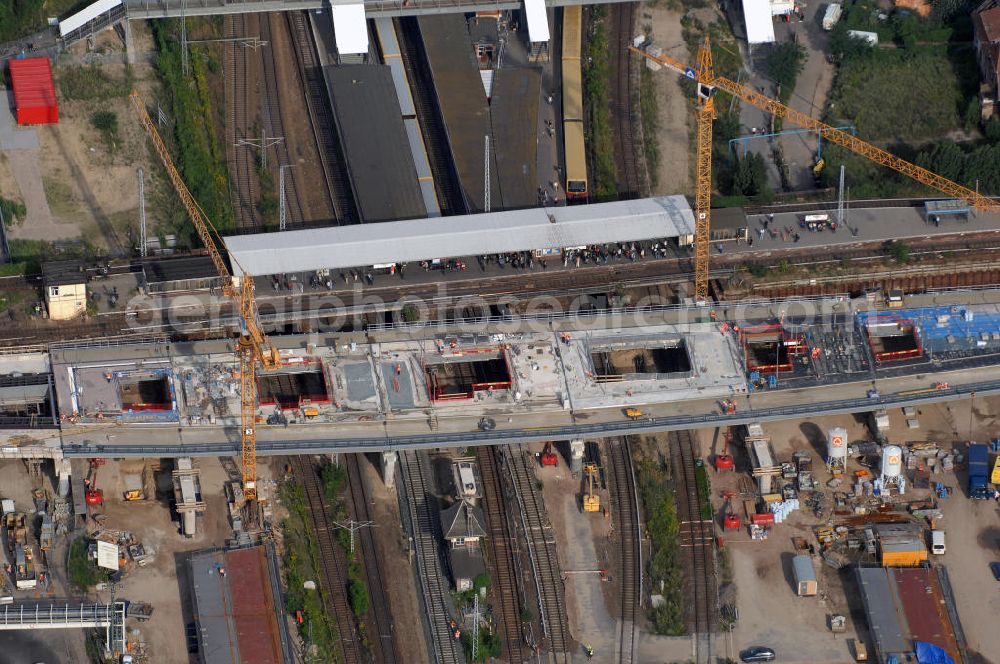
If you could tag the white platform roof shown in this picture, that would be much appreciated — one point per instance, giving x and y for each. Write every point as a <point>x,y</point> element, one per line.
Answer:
<point>350,28</point>
<point>538,21</point>
<point>417,240</point>
<point>758,18</point>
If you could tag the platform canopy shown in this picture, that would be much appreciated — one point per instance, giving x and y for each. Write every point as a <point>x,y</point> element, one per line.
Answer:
<point>759,21</point>
<point>417,240</point>
<point>538,21</point>
<point>350,27</point>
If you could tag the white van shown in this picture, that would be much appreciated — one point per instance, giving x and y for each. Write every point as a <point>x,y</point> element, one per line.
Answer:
<point>937,542</point>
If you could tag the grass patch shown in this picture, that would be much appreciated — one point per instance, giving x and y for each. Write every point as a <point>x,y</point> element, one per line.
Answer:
<point>704,489</point>
<point>13,212</point>
<point>83,573</point>
<point>196,145</point>
<point>666,576</point>
<point>92,83</point>
<point>60,197</point>
<point>597,77</point>
<point>649,108</point>
<point>318,629</point>
<point>487,646</point>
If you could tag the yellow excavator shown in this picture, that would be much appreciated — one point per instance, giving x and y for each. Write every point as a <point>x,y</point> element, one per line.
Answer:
<point>591,501</point>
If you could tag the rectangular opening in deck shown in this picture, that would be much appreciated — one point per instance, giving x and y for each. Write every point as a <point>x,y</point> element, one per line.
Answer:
<point>613,361</point>
<point>898,340</point>
<point>770,349</point>
<point>462,378</point>
<point>145,393</point>
<point>292,389</point>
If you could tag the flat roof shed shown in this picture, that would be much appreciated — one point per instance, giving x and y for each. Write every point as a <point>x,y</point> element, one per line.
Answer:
<point>34,91</point>
<point>367,113</point>
<point>880,602</point>
<point>238,608</point>
<point>470,235</point>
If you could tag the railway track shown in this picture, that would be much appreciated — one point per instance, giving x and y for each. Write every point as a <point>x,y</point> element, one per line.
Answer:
<point>542,551</point>
<point>626,522</point>
<point>332,559</point>
<point>273,122</point>
<point>383,643</point>
<point>697,543</point>
<point>239,123</point>
<point>321,117</point>
<point>420,511</point>
<point>622,23</point>
<point>446,182</point>
<point>507,594</point>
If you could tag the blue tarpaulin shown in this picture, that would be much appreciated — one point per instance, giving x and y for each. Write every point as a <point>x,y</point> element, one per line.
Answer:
<point>928,653</point>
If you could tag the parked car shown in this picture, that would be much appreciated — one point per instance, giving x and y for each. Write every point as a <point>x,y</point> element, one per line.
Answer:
<point>995,568</point>
<point>757,654</point>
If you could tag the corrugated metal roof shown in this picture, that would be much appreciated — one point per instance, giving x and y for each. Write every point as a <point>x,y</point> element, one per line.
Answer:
<point>803,568</point>
<point>471,235</point>
<point>31,79</point>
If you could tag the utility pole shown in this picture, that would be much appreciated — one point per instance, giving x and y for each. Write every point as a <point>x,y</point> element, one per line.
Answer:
<point>486,172</point>
<point>142,217</point>
<point>281,197</point>
<point>840,199</point>
<point>351,526</point>
<point>262,144</point>
<point>185,66</point>
<point>475,626</point>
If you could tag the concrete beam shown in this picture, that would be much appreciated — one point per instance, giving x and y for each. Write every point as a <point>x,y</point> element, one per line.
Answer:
<point>373,8</point>
<point>79,446</point>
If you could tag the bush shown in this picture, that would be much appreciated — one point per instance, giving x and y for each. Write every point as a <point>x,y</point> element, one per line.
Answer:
<point>13,212</point>
<point>105,121</point>
<point>666,576</point>
<point>899,251</point>
<point>83,573</point>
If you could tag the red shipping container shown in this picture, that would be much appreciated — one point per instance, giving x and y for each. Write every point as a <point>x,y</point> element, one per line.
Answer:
<point>34,92</point>
<point>766,519</point>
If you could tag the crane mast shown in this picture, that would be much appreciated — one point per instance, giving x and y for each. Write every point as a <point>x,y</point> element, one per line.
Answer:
<point>708,83</point>
<point>253,345</point>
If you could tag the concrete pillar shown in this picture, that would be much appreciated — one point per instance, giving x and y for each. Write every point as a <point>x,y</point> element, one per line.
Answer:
<point>130,54</point>
<point>63,472</point>
<point>389,460</point>
<point>576,448</point>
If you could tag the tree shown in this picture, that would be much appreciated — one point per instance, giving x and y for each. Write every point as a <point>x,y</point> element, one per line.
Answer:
<point>749,176</point>
<point>944,158</point>
<point>945,9</point>
<point>899,251</point>
<point>784,63</point>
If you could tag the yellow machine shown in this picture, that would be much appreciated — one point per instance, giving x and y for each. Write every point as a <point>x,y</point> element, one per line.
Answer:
<point>634,413</point>
<point>253,345</point>
<point>708,83</point>
<point>591,501</point>
<point>995,476</point>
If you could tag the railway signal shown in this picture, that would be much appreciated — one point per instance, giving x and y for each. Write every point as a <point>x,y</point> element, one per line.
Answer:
<point>709,83</point>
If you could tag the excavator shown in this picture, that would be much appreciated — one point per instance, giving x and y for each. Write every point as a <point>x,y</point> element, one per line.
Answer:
<point>708,83</point>
<point>252,346</point>
<point>591,501</point>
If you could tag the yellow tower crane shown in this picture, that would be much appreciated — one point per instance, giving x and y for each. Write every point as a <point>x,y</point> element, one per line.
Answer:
<point>591,501</point>
<point>709,83</point>
<point>253,345</point>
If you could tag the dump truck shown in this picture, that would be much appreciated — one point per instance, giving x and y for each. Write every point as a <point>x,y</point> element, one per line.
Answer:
<point>979,472</point>
<point>24,567</point>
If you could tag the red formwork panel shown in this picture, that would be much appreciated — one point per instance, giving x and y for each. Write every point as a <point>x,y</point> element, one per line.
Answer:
<point>253,607</point>
<point>34,91</point>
